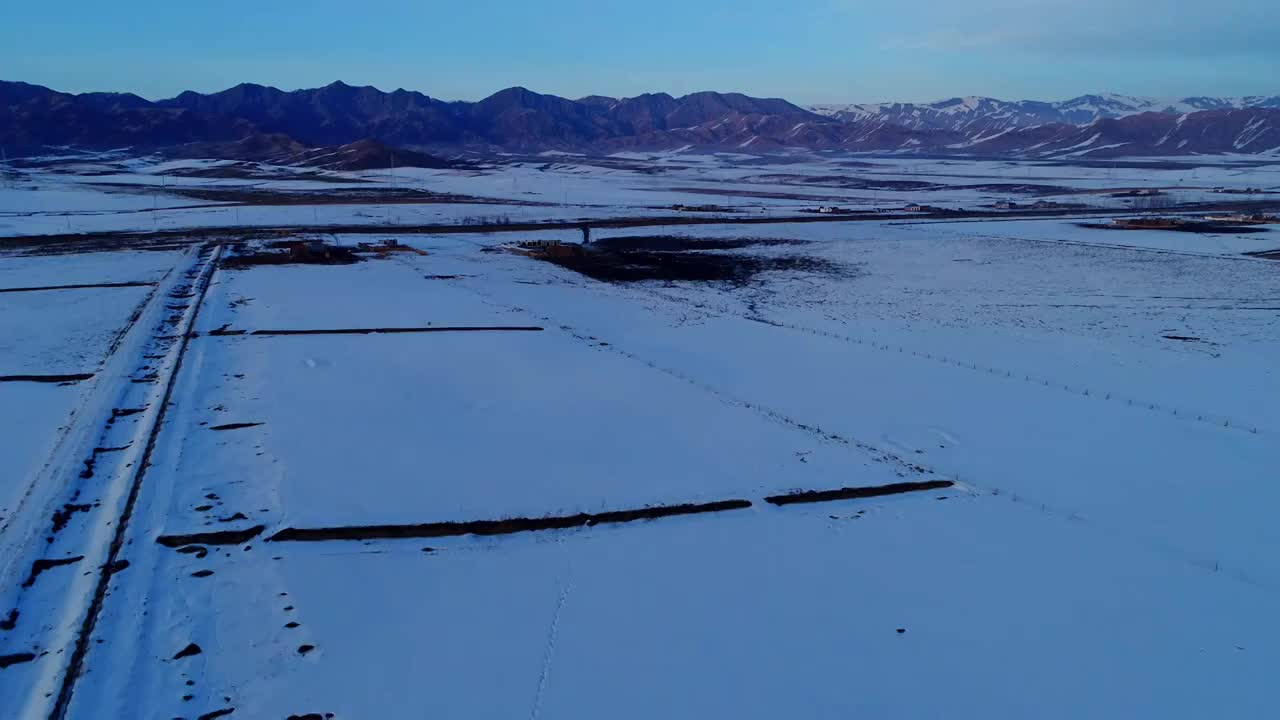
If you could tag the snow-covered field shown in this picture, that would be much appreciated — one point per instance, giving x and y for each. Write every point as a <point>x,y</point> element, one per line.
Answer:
<point>58,332</point>
<point>1102,403</point>
<point>62,331</point>
<point>31,416</point>
<point>149,194</point>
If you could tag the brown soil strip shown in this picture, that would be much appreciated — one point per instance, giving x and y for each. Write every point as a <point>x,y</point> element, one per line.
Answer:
<point>216,714</point>
<point>77,287</point>
<point>235,426</point>
<point>1186,227</point>
<point>46,378</point>
<point>761,194</point>
<point>250,197</point>
<point>39,566</point>
<point>245,171</point>
<point>222,537</point>
<point>678,243</point>
<point>17,659</point>
<point>374,331</point>
<point>500,527</point>
<point>817,496</point>
<point>10,621</point>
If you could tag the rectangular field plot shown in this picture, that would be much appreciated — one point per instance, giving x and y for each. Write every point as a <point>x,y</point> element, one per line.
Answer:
<point>392,292</point>
<point>421,428</point>
<point>59,332</point>
<point>85,269</point>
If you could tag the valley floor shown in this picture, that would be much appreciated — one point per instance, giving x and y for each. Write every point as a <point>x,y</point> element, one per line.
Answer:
<point>459,481</point>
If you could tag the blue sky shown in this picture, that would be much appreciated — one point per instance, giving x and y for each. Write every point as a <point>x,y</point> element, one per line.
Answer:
<point>804,50</point>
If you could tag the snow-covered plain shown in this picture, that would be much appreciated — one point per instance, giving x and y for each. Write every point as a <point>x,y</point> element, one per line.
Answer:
<point>1104,402</point>
<point>147,194</point>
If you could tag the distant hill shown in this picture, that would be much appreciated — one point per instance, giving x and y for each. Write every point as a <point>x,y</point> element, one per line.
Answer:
<point>977,115</point>
<point>32,116</point>
<point>364,124</point>
<point>1209,132</point>
<point>364,155</point>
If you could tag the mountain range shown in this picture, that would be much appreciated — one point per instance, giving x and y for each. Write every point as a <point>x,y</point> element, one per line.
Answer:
<point>986,115</point>
<point>256,120</point>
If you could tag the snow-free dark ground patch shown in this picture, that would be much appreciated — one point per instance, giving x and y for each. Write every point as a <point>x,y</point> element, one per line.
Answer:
<point>636,259</point>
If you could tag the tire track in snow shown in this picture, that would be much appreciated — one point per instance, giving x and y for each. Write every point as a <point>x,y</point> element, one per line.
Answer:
<point>923,225</point>
<point>549,651</point>
<point>1221,421</point>
<point>1208,418</point>
<point>75,665</point>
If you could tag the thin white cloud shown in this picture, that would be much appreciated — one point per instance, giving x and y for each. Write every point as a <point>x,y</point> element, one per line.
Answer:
<point>1146,28</point>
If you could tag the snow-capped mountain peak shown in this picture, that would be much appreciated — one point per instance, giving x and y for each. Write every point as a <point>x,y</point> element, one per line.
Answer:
<point>982,114</point>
